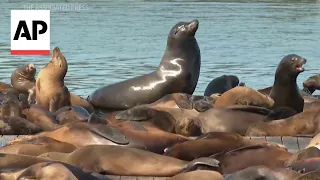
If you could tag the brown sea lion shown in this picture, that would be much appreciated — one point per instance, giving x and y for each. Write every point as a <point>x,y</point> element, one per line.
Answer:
<point>263,172</point>
<point>17,126</point>
<point>221,84</point>
<point>212,143</point>
<point>241,95</point>
<point>116,160</point>
<point>306,165</point>
<point>312,83</point>
<point>266,90</point>
<point>280,113</point>
<point>50,89</point>
<point>303,123</point>
<point>49,171</point>
<point>285,91</point>
<point>11,107</point>
<point>23,79</point>
<point>76,100</point>
<point>271,157</point>
<point>69,114</point>
<point>225,120</point>
<point>309,152</point>
<point>41,117</point>
<point>38,146</point>
<point>314,175</point>
<point>198,174</point>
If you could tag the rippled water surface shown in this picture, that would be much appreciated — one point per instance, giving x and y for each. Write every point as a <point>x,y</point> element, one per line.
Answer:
<point>109,41</point>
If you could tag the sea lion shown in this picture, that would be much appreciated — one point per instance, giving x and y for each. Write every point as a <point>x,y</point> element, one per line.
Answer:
<point>50,89</point>
<point>271,157</point>
<point>263,172</point>
<point>178,71</point>
<point>221,84</point>
<point>266,90</point>
<point>285,91</point>
<point>280,113</point>
<point>23,79</point>
<point>211,143</point>
<point>199,174</point>
<point>41,117</point>
<point>303,123</point>
<point>105,159</point>
<point>49,171</point>
<point>68,114</point>
<point>76,100</point>
<point>241,95</point>
<point>306,165</point>
<point>314,175</point>
<point>309,152</point>
<point>38,146</point>
<point>315,141</point>
<point>312,83</point>
<point>11,107</point>
<point>17,126</point>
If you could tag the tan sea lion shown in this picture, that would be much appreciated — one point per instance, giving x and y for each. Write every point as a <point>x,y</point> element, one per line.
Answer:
<point>38,146</point>
<point>41,117</point>
<point>76,100</point>
<point>271,157</point>
<point>314,175</point>
<point>315,141</point>
<point>303,123</point>
<point>241,95</point>
<point>309,152</point>
<point>199,174</point>
<point>49,171</point>
<point>116,160</point>
<point>50,89</point>
<point>211,143</point>
<point>263,172</point>
<point>23,79</point>
<point>17,126</point>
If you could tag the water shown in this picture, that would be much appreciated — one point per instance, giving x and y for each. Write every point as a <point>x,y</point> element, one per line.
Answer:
<point>110,41</point>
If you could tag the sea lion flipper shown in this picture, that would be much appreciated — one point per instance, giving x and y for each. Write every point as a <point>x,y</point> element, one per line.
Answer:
<point>97,117</point>
<point>199,163</point>
<point>138,113</point>
<point>53,106</point>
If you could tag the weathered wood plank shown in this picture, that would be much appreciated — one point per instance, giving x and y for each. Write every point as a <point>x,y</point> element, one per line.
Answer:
<point>303,142</point>
<point>291,143</point>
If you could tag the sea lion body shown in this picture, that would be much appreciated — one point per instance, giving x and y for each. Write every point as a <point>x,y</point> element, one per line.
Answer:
<point>221,84</point>
<point>312,83</point>
<point>69,114</point>
<point>50,89</point>
<point>199,174</point>
<point>285,91</point>
<point>76,100</point>
<point>178,72</point>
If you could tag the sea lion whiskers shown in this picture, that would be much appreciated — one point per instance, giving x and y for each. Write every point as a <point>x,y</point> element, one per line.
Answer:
<point>164,74</point>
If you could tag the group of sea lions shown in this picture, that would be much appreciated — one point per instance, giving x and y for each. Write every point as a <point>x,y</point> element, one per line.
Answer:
<point>153,125</point>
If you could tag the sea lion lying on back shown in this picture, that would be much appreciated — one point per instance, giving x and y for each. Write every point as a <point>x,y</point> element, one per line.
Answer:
<point>285,91</point>
<point>50,89</point>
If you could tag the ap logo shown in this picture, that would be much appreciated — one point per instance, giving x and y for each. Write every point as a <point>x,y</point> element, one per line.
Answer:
<point>30,32</point>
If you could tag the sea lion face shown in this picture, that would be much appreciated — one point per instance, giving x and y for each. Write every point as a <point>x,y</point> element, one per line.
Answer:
<point>292,64</point>
<point>58,60</point>
<point>29,70</point>
<point>183,31</point>
<point>312,82</point>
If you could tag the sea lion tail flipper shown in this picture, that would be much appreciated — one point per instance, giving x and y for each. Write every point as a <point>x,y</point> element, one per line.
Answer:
<point>137,113</point>
<point>203,163</point>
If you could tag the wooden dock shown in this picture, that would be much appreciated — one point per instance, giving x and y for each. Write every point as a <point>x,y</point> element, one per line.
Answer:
<point>293,144</point>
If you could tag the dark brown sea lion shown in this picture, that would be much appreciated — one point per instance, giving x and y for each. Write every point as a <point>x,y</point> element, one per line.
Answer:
<point>225,120</point>
<point>69,114</point>
<point>312,83</point>
<point>23,79</point>
<point>17,126</point>
<point>309,152</point>
<point>41,117</point>
<point>271,157</point>
<point>49,171</point>
<point>178,71</point>
<point>50,89</point>
<point>198,174</point>
<point>263,172</point>
<point>285,91</point>
<point>303,123</point>
<point>38,146</point>
<point>306,165</point>
<point>314,175</point>
<point>212,143</point>
<point>116,160</point>
<point>221,84</point>
<point>11,107</point>
<point>76,100</point>
<point>280,113</point>
<point>243,96</point>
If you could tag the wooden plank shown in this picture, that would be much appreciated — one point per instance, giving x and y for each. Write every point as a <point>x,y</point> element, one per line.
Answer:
<point>274,139</point>
<point>291,143</point>
<point>128,178</point>
<point>303,142</point>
